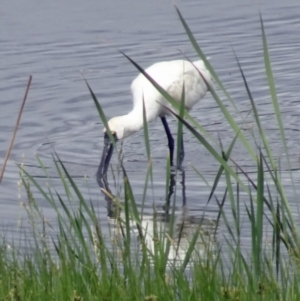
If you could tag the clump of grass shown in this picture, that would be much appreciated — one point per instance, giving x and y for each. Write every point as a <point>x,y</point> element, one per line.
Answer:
<point>79,262</point>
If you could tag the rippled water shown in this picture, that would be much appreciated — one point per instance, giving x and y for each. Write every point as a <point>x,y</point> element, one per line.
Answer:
<point>57,42</point>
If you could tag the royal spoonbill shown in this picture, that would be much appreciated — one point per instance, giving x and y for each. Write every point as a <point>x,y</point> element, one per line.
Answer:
<point>171,76</point>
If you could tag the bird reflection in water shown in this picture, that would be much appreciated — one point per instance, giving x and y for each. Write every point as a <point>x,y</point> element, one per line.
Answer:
<point>184,227</point>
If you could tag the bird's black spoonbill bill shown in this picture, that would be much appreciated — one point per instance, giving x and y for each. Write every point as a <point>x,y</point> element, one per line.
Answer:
<point>171,76</point>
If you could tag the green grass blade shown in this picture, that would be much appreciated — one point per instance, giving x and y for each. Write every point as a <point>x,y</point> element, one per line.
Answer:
<point>127,217</point>
<point>147,144</point>
<point>76,189</point>
<point>179,127</point>
<point>271,83</point>
<point>232,200</point>
<point>203,57</point>
<point>212,151</point>
<point>129,194</point>
<point>273,94</point>
<point>259,214</point>
<point>148,176</point>
<point>256,116</point>
<point>219,102</point>
<point>63,180</point>
<point>101,113</point>
<point>146,133</point>
<point>221,169</point>
<point>191,248</point>
<point>233,124</point>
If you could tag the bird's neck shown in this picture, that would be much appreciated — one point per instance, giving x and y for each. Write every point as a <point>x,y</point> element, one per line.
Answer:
<point>133,122</point>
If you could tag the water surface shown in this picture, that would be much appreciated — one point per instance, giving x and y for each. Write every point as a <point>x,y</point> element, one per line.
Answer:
<point>58,42</point>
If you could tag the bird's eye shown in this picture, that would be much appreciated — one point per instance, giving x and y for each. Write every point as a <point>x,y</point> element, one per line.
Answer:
<point>114,134</point>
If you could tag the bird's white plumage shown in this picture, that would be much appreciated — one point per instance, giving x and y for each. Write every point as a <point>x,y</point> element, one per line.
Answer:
<point>171,76</point>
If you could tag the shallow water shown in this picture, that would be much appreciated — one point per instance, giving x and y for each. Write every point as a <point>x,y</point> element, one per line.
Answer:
<point>57,43</point>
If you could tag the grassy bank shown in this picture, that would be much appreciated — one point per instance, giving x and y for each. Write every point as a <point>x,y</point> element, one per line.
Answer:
<point>144,258</point>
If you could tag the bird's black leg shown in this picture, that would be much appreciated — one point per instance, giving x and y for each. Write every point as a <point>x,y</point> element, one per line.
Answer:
<point>171,190</point>
<point>181,153</point>
<point>183,188</point>
<point>170,138</point>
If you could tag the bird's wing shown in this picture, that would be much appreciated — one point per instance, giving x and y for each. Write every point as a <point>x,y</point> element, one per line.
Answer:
<point>164,73</point>
<point>195,87</point>
<point>171,76</point>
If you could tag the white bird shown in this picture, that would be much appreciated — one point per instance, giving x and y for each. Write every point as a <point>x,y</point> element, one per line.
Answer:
<point>171,76</point>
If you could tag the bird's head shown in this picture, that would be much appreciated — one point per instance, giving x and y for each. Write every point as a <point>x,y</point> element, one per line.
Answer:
<point>116,133</point>
<point>120,127</point>
<point>117,127</point>
<point>125,125</point>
